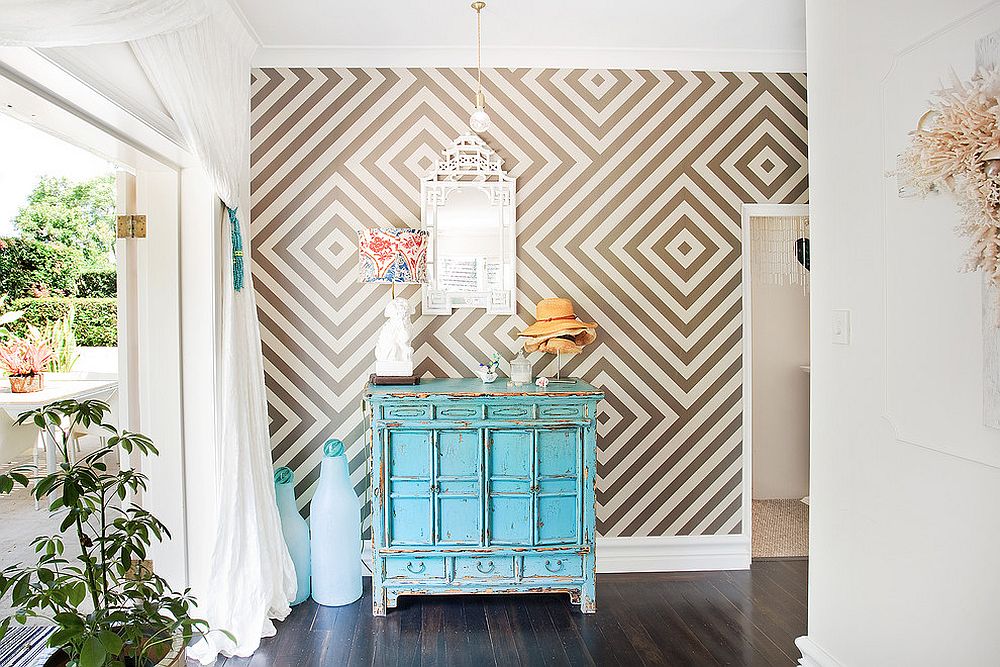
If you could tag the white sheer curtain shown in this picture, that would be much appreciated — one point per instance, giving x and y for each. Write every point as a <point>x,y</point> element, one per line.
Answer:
<point>203,76</point>
<point>198,60</point>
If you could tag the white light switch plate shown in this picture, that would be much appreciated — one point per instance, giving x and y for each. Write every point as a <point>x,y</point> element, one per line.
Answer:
<point>842,327</point>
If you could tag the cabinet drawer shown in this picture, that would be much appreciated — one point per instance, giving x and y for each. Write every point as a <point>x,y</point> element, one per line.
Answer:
<point>523,411</point>
<point>459,412</point>
<point>562,565</point>
<point>484,567</point>
<point>410,567</point>
<point>561,411</point>
<point>406,411</point>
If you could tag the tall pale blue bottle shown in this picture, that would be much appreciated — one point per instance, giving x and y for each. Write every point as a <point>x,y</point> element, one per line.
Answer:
<point>335,521</point>
<point>294,529</point>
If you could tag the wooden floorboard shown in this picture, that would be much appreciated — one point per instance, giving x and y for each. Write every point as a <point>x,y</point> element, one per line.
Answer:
<point>687,618</point>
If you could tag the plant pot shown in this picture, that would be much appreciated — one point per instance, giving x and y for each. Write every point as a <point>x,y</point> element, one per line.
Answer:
<point>174,658</point>
<point>26,384</point>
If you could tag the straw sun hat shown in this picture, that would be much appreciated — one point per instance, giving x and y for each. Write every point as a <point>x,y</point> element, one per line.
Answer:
<point>557,329</point>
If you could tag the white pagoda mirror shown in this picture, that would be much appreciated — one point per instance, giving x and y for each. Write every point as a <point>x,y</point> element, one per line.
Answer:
<point>468,210</point>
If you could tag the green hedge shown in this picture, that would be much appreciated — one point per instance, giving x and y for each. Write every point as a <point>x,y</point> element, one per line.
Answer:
<point>30,268</point>
<point>98,283</point>
<point>95,322</point>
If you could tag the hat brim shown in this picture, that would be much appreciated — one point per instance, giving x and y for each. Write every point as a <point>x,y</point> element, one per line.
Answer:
<point>566,342</point>
<point>553,326</point>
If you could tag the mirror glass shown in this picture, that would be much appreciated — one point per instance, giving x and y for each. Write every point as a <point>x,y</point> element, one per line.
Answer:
<point>469,242</point>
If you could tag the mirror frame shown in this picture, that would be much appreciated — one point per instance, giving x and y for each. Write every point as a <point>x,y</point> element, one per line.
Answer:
<point>470,163</point>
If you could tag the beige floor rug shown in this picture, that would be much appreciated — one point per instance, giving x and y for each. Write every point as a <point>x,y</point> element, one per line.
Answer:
<point>780,529</point>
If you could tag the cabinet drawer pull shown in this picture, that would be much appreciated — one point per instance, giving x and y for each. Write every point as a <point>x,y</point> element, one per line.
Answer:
<point>554,568</point>
<point>420,567</point>
<point>534,488</point>
<point>434,488</point>
<point>485,570</point>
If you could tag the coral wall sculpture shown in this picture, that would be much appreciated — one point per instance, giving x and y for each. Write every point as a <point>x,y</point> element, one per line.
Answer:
<point>956,147</point>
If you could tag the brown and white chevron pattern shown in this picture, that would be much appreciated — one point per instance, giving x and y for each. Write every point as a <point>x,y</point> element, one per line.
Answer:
<point>629,187</point>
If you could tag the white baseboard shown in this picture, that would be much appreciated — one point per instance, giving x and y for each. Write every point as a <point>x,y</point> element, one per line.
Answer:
<point>675,553</point>
<point>813,655</point>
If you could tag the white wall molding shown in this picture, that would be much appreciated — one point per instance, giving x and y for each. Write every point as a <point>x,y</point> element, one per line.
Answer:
<point>711,60</point>
<point>675,553</point>
<point>813,655</point>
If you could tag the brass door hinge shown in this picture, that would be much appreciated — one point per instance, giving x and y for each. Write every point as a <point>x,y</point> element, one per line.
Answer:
<point>131,226</point>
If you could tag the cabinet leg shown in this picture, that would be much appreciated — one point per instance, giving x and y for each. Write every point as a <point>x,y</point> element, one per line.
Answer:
<point>588,604</point>
<point>378,602</point>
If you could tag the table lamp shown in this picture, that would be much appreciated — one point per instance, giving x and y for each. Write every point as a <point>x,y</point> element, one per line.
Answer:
<point>393,256</point>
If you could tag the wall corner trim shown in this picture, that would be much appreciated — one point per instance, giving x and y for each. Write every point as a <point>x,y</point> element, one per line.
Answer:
<point>813,655</point>
<point>674,553</point>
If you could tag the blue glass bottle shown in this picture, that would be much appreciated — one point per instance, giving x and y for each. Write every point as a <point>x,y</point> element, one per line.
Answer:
<point>335,521</point>
<point>295,531</point>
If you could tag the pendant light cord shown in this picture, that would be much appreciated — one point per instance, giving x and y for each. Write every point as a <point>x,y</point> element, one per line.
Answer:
<point>479,57</point>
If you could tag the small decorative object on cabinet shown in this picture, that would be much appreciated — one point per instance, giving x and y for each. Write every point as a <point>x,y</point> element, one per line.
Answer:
<point>487,372</point>
<point>520,370</point>
<point>482,490</point>
<point>335,522</point>
<point>294,529</point>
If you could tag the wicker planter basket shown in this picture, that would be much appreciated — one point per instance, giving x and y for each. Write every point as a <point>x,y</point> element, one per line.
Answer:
<point>25,384</point>
<point>175,657</point>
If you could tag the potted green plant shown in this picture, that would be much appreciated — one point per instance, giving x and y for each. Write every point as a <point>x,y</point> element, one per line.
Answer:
<point>110,608</point>
<point>24,360</point>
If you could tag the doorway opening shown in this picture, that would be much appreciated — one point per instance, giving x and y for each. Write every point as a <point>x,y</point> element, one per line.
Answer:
<point>59,287</point>
<point>776,266</point>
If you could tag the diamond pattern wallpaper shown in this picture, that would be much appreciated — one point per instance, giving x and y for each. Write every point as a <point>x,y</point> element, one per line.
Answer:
<point>629,188</point>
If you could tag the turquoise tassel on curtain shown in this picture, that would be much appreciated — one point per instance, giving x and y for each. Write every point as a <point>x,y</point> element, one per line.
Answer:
<point>234,225</point>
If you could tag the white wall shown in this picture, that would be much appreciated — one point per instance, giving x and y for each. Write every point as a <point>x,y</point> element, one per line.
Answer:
<point>780,338</point>
<point>905,479</point>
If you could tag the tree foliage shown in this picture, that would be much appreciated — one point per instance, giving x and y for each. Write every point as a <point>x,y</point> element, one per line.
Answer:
<point>77,215</point>
<point>31,268</point>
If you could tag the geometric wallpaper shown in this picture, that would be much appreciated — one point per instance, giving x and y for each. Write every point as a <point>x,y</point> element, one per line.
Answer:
<point>629,187</point>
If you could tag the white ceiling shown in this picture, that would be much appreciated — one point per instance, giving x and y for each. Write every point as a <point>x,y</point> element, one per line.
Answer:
<point>590,33</point>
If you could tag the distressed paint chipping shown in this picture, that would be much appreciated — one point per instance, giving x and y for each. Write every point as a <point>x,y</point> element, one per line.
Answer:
<point>505,501</point>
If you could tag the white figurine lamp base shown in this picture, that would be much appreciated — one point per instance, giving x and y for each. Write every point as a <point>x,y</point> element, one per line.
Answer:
<point>393,256</point>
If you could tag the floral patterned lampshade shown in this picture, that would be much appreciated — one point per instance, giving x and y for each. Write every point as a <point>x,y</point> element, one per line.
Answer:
<point>392,255</point>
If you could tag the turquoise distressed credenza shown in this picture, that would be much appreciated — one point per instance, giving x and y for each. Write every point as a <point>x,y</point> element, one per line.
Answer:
<point>482,488</point>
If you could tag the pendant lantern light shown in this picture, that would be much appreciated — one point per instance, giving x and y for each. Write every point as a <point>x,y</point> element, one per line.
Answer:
<point>479,121</point>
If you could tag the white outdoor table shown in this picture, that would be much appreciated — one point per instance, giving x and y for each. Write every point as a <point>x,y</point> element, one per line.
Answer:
<point>13,405</point>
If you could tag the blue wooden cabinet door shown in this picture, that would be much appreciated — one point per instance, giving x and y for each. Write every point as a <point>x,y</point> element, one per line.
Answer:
<point>408,506</point>
<point>510,480</point>
<point>457,487</point>
<point>558,454</point>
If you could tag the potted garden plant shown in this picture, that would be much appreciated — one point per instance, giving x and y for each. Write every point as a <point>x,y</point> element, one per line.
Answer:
<point>92,579</point>
<point>24,360</point>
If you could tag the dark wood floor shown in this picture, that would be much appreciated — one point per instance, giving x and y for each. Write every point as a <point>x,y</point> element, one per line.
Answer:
<point>703,618</point>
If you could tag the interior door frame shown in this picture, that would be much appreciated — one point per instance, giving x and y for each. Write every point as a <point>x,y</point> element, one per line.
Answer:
<point>183,215</point>
<point>747,212</point>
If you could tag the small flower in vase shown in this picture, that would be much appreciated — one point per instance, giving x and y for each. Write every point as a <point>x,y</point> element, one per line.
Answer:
<point>487,371</point>
<point>542,383</point>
